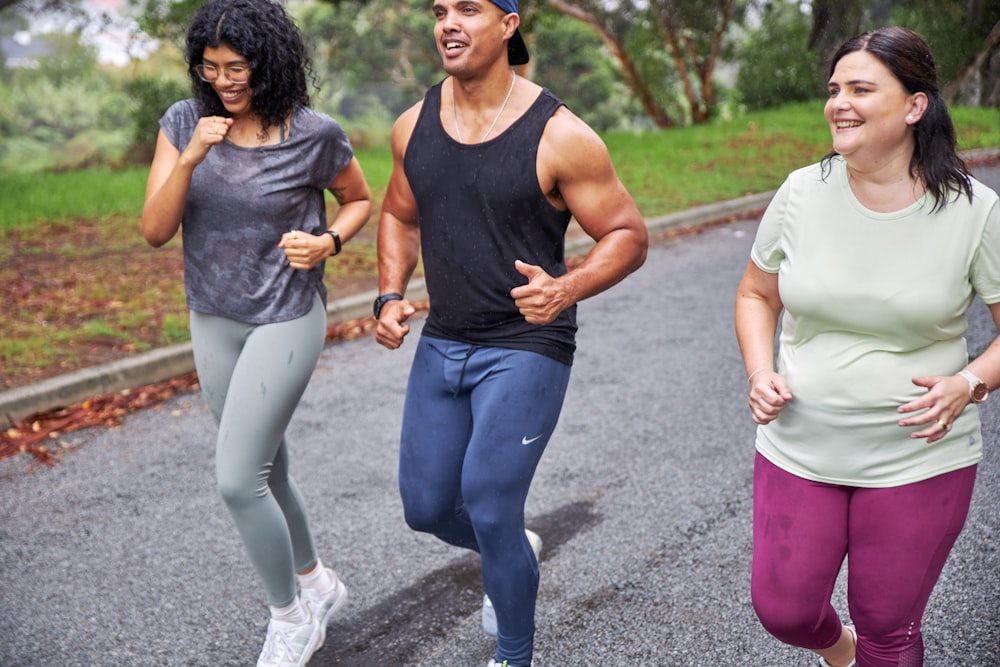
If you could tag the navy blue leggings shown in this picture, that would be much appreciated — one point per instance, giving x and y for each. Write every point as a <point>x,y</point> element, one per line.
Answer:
<point>475,424</point>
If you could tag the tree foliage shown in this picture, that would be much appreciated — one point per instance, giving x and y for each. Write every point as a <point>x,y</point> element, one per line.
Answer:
<point>964,35</point>
<point>370,56</point>
<point>569,60</point>
<point>776,66</point>
<point>616,63</point>
<point>381,52</point>
<point>38,7</point>
<point>165,19</point>
<point>375,60</point>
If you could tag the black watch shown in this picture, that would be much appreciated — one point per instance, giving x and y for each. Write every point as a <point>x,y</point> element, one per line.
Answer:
<point>337,245</point>
<point>384,299</point>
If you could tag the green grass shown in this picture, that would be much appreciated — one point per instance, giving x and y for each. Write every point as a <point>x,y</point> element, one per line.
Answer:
<point>672,170</point>
<point>83,286</point>
<point>175,328</point>
<point>377,165</point>
<point>38,349</point>
<point>27,199</point>
<point>666,171</point>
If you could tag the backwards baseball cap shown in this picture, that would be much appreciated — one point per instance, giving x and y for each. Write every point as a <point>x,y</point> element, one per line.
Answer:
<point>517,51</point>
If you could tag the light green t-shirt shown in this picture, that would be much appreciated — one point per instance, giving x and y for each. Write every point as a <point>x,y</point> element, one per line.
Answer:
<point>871,300</point>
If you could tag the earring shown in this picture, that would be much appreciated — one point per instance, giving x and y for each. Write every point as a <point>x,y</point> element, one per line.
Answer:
<point>909,118</point>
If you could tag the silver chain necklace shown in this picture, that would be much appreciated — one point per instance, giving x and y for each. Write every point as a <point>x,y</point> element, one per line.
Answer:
<point>454,110</point>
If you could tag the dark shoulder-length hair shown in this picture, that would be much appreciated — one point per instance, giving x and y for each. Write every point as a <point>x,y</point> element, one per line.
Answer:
<point>935,159</point>
<point>263,33</point>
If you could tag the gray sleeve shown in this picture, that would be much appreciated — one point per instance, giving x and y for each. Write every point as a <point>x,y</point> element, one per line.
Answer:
<point>178,123</point>
<point>333,151</point>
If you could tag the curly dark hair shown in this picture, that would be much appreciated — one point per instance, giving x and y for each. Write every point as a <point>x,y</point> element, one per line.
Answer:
<point>263,33</point>
<point>909,58</point>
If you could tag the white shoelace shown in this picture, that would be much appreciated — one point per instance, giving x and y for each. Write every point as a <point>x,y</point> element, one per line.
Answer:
<point>279,645</point>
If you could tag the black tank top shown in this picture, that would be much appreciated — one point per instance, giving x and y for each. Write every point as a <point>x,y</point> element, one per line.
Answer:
<point>480,208</point>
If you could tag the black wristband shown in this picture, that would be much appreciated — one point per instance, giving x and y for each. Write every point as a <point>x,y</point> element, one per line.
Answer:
<point>384,299</point>
<point>337,245</point>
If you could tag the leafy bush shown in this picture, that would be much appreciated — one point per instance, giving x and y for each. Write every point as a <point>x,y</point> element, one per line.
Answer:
<point>65,114</point>
<point>151,96</point>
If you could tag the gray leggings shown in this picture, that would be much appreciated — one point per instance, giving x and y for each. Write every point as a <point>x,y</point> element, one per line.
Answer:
<point>252,376</point>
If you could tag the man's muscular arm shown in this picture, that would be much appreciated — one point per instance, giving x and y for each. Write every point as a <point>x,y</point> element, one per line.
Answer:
<point>575,168</point>
<point>398,239</point>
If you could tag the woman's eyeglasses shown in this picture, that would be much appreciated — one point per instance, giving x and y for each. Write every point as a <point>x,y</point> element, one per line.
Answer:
<point>234,73</point>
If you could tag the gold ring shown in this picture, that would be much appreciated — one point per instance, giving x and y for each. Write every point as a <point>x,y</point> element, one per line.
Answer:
<point>944,427</point>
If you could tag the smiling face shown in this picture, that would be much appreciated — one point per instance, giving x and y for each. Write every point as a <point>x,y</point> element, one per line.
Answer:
<point>236,97</point>
<point>470,33</point>
<point>869,111</point>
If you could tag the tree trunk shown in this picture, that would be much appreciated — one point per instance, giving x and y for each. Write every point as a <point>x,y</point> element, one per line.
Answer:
<point>701,102</point>
<point>653,109</point>
<point>992,41</point>
<point>834,22</point>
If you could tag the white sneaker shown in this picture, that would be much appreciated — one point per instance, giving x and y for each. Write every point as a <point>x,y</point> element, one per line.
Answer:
<point>535,540</point>
<point>494,663</point>
<point>489,618</point>
<point>489,613</point>
<point>323,605</point>
<point>289,644</point>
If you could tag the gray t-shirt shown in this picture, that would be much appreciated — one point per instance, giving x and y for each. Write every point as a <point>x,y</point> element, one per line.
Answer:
<point>240,202</point>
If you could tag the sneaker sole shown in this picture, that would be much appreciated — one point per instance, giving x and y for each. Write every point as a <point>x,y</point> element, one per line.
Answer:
<point>337,605</point>
<point>316,645</point>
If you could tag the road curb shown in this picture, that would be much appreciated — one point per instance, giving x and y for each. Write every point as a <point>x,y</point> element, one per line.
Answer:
<point>147,368</point>
<point>170,362</point>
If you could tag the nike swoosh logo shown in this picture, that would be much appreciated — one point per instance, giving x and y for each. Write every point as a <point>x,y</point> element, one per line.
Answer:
<point>526,441</point>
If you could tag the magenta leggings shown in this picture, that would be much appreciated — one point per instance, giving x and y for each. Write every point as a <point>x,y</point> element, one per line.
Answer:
<point>896,541</point>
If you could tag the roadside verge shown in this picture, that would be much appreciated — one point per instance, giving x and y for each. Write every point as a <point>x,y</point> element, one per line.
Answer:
<point>174,361</point>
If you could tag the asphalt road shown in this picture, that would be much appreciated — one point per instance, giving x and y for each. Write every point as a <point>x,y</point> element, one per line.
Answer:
<point>123,554</point>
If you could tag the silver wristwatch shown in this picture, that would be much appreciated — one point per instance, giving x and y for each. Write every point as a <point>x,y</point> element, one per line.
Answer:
<point>978,391</point>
